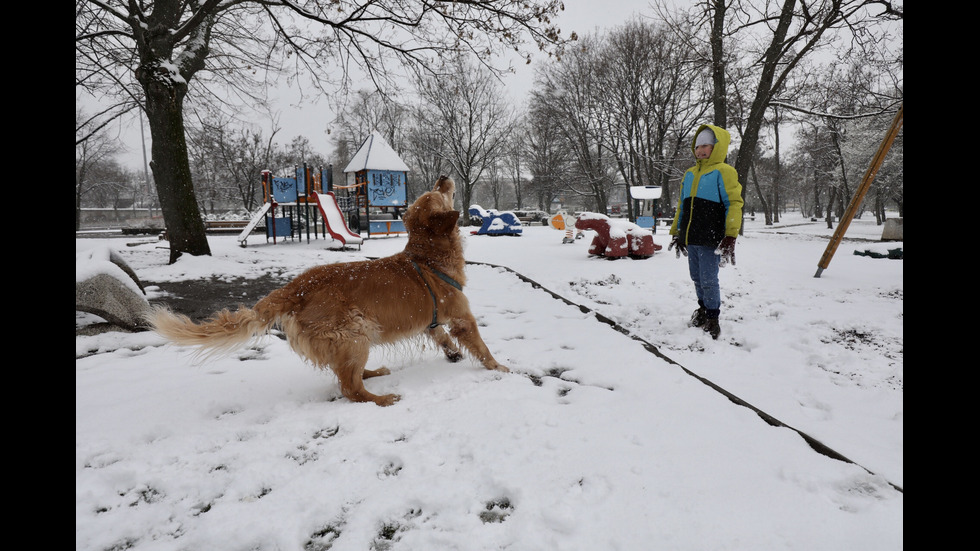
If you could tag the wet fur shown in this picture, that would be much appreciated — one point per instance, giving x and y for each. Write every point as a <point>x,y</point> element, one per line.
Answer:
<point>332,315</point>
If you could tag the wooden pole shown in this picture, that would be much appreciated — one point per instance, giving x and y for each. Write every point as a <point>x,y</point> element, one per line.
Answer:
<point>869,177</point>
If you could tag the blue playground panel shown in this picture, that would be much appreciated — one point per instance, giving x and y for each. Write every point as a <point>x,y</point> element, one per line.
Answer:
<point>284,190</point>
<point>301,181</point>
<point>280,227</point>
<point>384,227</point>
<point>386,188</point>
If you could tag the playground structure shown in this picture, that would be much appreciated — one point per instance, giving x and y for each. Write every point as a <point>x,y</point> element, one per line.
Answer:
<point>309,202</point>
<point>379,190</point>
<point>496,222</point>
<point>296,205</point>
<point>617,238</point>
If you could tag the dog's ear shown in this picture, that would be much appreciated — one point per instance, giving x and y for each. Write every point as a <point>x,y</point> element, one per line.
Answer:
<point>444,222</point>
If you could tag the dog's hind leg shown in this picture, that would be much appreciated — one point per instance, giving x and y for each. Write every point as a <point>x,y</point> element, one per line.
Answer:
<point>465,331</point>
<point>441,338</point>
<point>348,362</point>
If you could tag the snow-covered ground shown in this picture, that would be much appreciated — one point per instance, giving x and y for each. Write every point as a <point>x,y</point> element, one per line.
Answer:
<point>593,442</point>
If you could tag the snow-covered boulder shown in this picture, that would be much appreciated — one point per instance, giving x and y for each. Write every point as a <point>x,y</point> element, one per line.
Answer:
<point>107,287</point>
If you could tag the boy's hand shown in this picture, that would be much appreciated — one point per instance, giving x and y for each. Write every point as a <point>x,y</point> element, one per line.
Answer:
<point>675,243</point>
<point>727,250</point>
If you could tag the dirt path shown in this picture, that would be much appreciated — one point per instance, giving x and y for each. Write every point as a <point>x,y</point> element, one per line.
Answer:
<point>197,299</point>
<point>200,298</point>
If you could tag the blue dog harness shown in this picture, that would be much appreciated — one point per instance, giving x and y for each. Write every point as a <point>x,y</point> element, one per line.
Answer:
<point>435,302</point>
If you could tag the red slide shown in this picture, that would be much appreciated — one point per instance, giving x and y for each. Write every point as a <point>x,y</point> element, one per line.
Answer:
<point>333,219</point>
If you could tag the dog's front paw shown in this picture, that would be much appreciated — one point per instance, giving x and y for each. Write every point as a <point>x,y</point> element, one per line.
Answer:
<point>498,367</point>
<point>453,355</point>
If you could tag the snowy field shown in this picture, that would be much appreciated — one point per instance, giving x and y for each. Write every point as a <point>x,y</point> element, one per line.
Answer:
<point>619,427</point>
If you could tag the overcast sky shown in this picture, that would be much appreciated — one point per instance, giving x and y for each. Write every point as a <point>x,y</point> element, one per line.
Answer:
<point>581,16</point>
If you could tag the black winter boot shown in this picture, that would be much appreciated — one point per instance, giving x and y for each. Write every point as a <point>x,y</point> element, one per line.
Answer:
<point>698,317</point>
<point>711,327</point>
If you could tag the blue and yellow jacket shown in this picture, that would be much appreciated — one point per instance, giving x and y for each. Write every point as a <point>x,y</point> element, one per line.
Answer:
<point>710,204</point>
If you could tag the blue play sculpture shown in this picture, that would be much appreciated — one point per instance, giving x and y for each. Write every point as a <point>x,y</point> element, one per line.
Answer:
<point>495,222</point>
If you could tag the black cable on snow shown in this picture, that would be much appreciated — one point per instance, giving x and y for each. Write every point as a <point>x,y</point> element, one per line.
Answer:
<point>817,445</point>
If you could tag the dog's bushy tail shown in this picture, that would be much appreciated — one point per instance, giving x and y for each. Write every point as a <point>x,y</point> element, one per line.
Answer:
<point>221,333</point>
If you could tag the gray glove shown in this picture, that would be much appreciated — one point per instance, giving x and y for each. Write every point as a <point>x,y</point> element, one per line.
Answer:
<point>676,243</point>
<point>727,251</point>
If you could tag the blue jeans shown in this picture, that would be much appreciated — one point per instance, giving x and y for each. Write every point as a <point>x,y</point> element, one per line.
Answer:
<point>703,263</point>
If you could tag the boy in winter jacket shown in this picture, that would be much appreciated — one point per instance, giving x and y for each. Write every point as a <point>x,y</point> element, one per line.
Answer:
<point>709,216</point>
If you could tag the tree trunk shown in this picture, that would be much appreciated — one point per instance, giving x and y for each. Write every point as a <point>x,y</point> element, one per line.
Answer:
<point>78,211</point>
<point>466,195</point>
<point>762,196</point>
<point>720,99</point>
<point>753,125</point>
<point>830,207</point>
<point>778,177</point>
<point>817,208</point>
<point>172,171</point>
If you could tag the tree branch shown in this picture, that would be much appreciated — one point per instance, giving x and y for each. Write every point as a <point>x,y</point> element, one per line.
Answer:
<point>891,109</point>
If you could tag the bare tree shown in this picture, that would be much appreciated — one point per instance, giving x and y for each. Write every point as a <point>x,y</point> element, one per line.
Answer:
<point>470,109</point>
<point>514,160</point>
<point>369,111</point>
<point>147,54</point>
<point>205,169</point>
<point>660,93</point>
<point>424,146</point>
<point>231,157</point>
<point>92,156</point>
<point>773,37</point>
<point>549,156</point>
<point>570,93</point>
<point>838,135</point>
<point>493,180</point>
<point>296,155</point>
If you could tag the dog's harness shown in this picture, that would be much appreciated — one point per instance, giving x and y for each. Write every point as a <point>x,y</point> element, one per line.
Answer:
<point>442,276</point>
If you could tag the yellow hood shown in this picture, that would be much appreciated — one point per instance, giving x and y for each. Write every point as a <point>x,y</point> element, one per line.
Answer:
<point>720,151</point>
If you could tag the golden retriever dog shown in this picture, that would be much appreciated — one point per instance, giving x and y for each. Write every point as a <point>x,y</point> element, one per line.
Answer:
<point>333,314</point>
